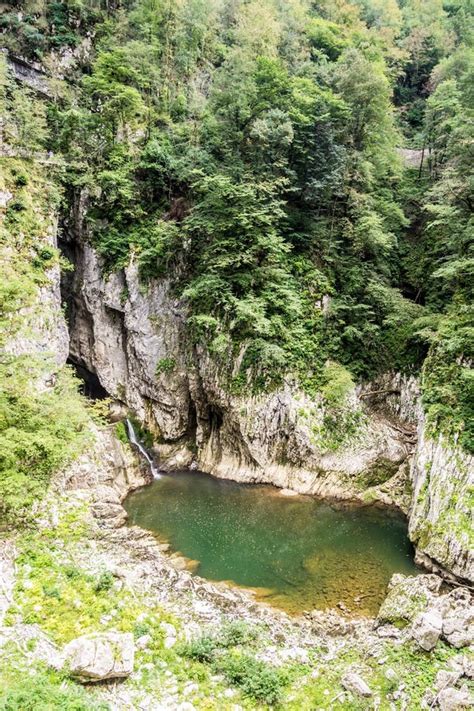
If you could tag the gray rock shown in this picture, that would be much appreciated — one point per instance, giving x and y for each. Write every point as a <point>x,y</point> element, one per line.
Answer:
<point>356,685</point>
<point>453,699</point>
<point>170,634</point>
<point>442,476</point>
<point>96,657</point>
<point>426,629</point>
<point>444,679</point>
<point>143,641</point>
<point>407,597</point>
<point>458,619</point>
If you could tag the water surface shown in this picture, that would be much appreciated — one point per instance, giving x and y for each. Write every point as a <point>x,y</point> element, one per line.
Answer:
<point>298,553</point>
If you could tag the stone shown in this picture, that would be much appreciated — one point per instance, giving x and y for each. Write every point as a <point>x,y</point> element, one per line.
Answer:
<point>356,685</point>
<point>143,641</point>
<point>446,678</point>
<point>468,667</point>
<point>5,197</point>
<point>426,629</point>
<point>96,657</point>
<point>408,596</point>
<point>170,634</point>
<point>390,674</point>
<point>453,699</point>
<point>458,619</point>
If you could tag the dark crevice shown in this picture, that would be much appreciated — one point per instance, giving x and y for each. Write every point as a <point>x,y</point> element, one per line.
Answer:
<point>90,385</point>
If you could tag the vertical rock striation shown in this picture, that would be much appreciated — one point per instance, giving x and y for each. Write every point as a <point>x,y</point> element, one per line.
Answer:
<point>442,512</point>
<point>134,339</point>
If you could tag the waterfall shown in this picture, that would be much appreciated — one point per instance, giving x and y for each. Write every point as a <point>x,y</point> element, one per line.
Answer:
<point>136,443</point>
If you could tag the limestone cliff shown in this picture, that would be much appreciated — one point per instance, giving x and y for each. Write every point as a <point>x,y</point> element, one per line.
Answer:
<point>40,327</point>
<point>134,339</point>
<point>442,512</point>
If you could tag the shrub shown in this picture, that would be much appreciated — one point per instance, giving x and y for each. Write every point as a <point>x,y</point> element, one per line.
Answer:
<point>255,678</point>
<point>165,365</point>
<point>121,432</point>
<point>236,633</point>
<point>40,432</point>
<point>45,692</point>
<point>104,582</point>
<point>200,650</point>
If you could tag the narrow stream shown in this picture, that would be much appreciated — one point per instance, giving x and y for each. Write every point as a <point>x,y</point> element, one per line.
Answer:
<point>297,553</point>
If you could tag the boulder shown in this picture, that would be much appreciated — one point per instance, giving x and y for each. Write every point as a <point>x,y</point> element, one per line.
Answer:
<point>454,699</point>
<point>458,618</point>
<point>356,685</point>
<point>426,629</point>
<point>445,678</point>
<point>170,634</point>
<point>407,597</point>
<point>96,657</point>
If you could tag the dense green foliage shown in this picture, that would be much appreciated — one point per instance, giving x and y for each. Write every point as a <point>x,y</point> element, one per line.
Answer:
<point>41,428</point>
<point>223,651</point>
<point>48,692</point>
<point>247,150</point>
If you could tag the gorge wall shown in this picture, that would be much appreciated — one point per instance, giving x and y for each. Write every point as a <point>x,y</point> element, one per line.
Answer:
<point>134,339</point>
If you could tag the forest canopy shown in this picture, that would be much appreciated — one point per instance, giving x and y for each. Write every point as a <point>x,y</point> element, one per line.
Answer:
<point>252,152</point>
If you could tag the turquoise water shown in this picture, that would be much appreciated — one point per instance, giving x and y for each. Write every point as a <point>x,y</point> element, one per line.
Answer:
<point>297,553</point>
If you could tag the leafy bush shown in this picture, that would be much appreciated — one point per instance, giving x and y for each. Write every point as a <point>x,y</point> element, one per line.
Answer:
<point>46,692</point>
<point>201,649</point>
<point>255,678</point>
<point>104,582</point>
<point>165,365</point>
<point>40,432</point>
<point>236,633</point>
<point>121,432</point>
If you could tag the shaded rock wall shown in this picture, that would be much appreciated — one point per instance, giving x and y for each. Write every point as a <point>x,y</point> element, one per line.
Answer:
<point>442,512</point>
<point>134,339</point>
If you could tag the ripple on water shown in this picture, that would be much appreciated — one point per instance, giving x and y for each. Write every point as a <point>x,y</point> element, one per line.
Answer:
<point>296,553</point>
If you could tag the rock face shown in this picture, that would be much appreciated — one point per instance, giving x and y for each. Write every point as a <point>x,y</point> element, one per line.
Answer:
<point>44,331</point>
<point>110,470</point>
<point>97,657</point>
<point>134,339</point>
<point>442,514</point>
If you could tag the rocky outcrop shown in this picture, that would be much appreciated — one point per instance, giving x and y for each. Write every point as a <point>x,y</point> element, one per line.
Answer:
<point>108,470</point>
<point>442,513</point>
<point>97,657</point>
<point>418,605</point>
<point>134,339</point>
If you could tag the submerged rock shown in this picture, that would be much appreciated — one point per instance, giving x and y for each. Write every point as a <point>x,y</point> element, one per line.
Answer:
<point>96,657</point>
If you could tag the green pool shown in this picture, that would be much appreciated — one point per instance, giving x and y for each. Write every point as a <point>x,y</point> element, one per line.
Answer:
<point>297,553</point>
